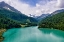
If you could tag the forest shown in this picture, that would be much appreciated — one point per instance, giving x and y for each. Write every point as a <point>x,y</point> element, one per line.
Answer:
<point>55,21</point>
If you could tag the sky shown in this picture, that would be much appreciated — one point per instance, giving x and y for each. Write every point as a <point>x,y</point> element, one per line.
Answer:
<point>36,7</point>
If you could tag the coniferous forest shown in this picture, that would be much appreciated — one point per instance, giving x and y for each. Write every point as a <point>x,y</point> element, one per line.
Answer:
<point>8,23</point>
<point>9,19</point>
<point>53,21</point>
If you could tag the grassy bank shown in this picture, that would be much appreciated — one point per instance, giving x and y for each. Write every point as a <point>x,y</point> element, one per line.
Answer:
<point>1,33</point>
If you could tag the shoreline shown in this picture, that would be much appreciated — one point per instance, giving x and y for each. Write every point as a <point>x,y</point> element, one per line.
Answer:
<point>52,28</point>
<point>1,33</point>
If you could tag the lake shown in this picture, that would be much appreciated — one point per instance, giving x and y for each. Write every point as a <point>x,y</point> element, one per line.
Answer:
<point>33,34</point>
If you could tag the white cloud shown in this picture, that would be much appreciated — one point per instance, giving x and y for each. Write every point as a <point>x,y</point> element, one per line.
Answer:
<point>48,7</point>
<point>61,3</point>
<point>39,9</point>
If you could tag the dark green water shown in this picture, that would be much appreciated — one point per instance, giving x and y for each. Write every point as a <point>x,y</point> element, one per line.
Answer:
<point>33,34</point>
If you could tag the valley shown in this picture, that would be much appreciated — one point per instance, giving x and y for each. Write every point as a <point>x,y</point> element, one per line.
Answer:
<point>15,26</point>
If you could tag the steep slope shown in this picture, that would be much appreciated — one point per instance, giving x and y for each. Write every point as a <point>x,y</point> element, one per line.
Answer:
<point>7,23</point>
<point>56,21</point>
<point>57,11</point>
<point>42,16</point>
<point>8,7</point>
<point>17,16</point>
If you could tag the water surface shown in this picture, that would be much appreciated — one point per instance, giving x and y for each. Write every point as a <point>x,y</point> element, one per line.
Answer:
<point>33,34</point>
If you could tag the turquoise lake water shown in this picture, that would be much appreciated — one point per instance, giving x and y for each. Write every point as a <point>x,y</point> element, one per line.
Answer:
<point>33,34</point>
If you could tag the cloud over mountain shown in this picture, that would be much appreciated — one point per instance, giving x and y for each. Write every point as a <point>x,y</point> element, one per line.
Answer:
<point>36,7</point>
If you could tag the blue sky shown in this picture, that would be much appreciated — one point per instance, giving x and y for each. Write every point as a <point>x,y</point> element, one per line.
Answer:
<point>36,7</point>
<point>34,2</point>
<point>30,2</point>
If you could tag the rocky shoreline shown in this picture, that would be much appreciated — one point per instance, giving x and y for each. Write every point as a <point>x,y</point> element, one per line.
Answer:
<point>1,33</point>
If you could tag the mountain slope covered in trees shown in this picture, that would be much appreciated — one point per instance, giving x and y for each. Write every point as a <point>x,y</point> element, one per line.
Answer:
<point>6,23</point>
<point>14,14</point>
<point>56,21</point>
<point>17,16</point>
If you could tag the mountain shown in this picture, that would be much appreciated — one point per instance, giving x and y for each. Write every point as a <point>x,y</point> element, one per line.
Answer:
<point>8,7</point>
<point>42,16</point>
<point>19,17</point>
<point>55,21</point>
<point>16,16</point>
<point>57,11</point>
<point>6,23</point>
<point>53,13</point>
<point>30,15</point>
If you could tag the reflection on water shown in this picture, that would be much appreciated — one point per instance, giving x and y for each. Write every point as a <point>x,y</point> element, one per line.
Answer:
<point>33,34</point>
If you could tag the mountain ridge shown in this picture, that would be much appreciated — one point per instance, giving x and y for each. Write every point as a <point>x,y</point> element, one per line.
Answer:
<point>8,7</point>
<point>53,22</point>
<point>19,17</point>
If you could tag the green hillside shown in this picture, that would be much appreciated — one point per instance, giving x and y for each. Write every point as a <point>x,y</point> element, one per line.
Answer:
<point>16,16</point>
<point>55,21</point>
<point>10,19</point>
<point>19,17</point>
<point>6,23</point>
